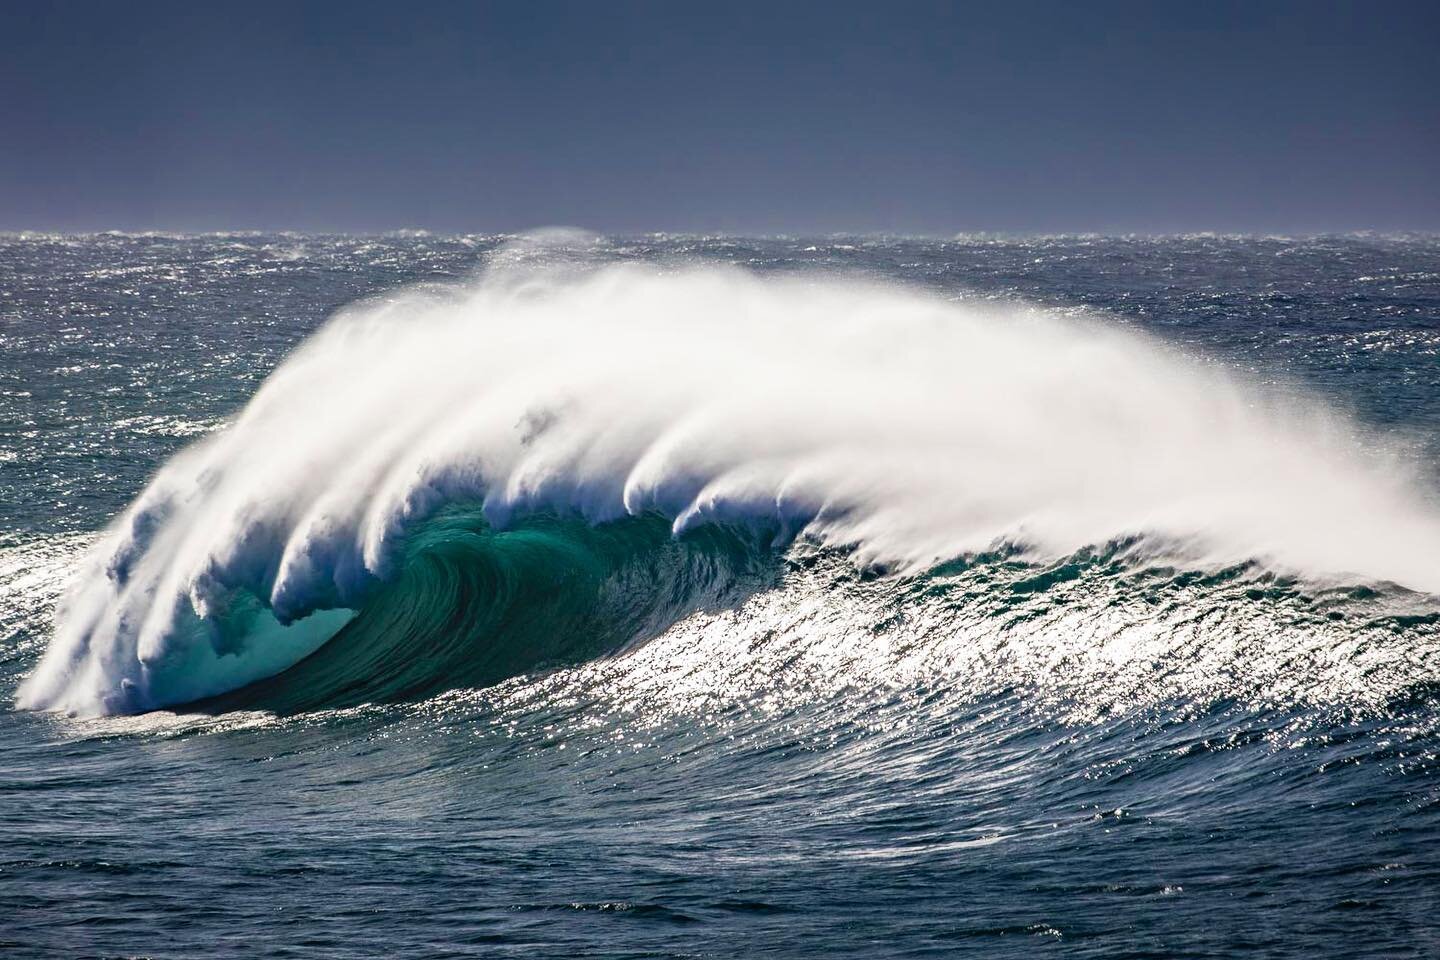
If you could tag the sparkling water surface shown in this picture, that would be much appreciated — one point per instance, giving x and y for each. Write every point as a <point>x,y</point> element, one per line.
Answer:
<point>994,760</point>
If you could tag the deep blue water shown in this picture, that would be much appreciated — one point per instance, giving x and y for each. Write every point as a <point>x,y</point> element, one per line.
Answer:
<point>1088,757</point>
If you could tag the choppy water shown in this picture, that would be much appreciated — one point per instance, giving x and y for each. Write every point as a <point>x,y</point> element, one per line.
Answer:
<point>882,598</point>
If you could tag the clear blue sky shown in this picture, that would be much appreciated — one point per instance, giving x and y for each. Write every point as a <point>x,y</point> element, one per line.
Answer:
<point>724,116</point>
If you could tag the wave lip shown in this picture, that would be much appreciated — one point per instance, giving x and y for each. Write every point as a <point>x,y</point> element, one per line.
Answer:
<point>899,426</point>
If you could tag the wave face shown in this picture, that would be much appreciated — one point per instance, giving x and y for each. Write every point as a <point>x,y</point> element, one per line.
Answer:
<point>470,606</point>
<point>445,487</point>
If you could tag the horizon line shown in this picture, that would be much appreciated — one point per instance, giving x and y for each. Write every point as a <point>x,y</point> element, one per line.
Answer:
<point>503,235</point>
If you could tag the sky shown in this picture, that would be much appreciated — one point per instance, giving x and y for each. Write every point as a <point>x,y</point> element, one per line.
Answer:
<point>721,117</point>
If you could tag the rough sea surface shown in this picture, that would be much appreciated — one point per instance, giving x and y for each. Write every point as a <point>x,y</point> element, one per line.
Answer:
<point>577,734</point>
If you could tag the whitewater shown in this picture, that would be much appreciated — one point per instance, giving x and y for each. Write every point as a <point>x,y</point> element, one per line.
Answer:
<point>1063,591</point>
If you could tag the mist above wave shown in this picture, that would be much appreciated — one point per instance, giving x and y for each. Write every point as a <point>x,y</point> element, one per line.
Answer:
<point>904,427</point>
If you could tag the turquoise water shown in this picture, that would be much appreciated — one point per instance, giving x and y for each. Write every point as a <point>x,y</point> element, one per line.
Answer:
<point>854,706</point>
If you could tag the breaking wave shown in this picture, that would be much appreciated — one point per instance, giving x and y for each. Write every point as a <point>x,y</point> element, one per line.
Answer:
<point>444,488</point>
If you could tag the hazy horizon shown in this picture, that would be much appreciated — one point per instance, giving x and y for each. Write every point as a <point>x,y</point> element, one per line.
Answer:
<point>808,120</point>
<point>999,236</point>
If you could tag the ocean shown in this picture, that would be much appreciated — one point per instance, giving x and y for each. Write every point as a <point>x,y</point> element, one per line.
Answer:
<point>668,596</point>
